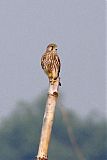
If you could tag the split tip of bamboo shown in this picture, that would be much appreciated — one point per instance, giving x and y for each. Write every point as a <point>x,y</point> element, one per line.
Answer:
<point>53,89</point>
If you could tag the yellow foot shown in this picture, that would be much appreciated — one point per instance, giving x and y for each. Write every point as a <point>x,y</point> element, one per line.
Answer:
<point>52,81</point>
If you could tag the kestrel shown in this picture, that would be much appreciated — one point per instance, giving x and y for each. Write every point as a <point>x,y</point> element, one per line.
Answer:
<point>50,63</point>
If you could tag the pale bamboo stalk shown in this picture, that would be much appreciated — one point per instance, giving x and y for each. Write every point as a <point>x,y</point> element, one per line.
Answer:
<point>48,121</point>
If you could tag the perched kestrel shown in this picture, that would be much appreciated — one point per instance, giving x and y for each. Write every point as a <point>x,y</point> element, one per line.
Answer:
<point>50,63</point>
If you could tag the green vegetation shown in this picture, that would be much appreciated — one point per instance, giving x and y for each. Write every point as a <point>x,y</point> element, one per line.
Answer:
<point>20,133</point>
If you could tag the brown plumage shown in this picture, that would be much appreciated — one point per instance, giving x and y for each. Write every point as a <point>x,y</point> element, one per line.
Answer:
<point>50,63</point>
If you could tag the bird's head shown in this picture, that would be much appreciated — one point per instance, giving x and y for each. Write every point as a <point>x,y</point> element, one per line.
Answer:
<point>51,47</point>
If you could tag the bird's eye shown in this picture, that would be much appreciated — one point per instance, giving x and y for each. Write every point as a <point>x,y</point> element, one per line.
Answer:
<point>56,49</point>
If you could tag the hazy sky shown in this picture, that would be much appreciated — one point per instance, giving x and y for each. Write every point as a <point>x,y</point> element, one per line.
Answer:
<point>78,28</point>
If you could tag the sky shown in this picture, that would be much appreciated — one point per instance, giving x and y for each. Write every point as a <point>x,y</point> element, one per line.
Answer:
<point>77,27</point>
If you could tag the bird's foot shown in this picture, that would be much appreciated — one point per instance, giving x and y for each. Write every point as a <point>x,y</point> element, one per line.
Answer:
<point>52,81</point>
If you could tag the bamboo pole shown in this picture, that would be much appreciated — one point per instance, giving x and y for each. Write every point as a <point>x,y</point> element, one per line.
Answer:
<point>48,121</point>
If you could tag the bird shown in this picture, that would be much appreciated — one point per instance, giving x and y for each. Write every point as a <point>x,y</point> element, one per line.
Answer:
<point>50,63</point>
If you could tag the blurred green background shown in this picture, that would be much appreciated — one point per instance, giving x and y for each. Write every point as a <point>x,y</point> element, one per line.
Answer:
<point>72,138</point>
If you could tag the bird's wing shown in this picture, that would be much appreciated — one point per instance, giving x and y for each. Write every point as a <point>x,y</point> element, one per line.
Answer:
<point>58,62</point>
<point>42,60</point>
